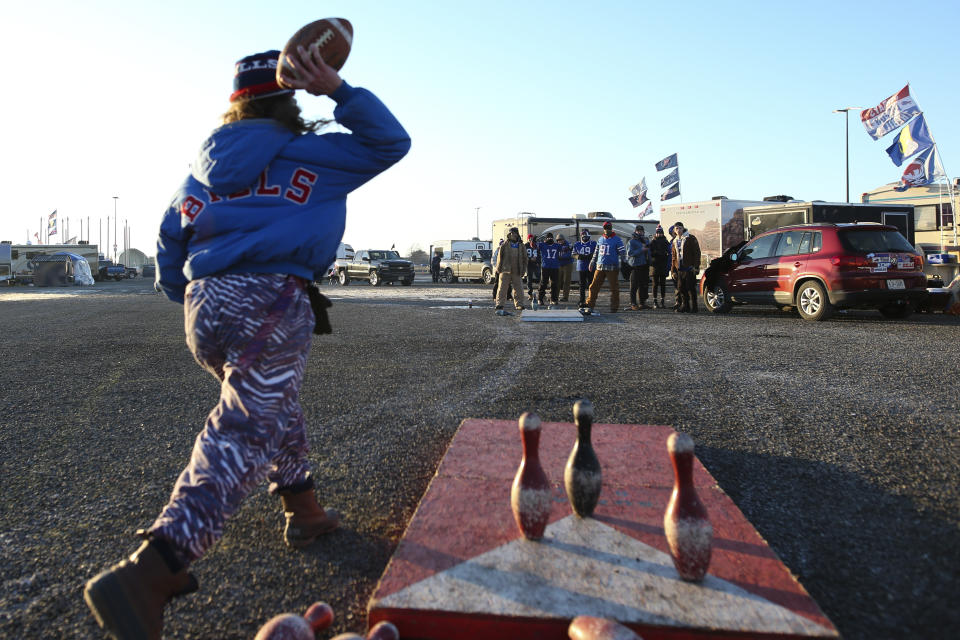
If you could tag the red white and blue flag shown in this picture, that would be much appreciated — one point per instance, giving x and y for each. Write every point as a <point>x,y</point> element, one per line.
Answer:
<point>647,210</point>
<point>921,171</point>
<point>52,223</point>
<point>896,110</point>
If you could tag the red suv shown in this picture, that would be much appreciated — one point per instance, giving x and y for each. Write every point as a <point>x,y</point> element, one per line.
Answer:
<point>817,268</point>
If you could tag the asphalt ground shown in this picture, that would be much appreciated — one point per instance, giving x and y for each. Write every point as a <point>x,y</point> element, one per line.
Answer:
<point>838,440</point>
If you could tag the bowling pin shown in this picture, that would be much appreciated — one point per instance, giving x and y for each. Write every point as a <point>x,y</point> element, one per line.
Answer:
<point>591,628</point>
<point>689,533</point>
<point>289,626</point>
<point>531,495</point>
<point>380,631</point>
<point>582,477</point>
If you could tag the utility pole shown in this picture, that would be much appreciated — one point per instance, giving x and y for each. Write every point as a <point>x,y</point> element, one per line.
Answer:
<point>115,198</point>
<point>478,223</point>
<point>846,114</point>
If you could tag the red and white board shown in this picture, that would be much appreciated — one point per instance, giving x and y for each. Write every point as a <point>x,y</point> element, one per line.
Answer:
<point>463,570</point>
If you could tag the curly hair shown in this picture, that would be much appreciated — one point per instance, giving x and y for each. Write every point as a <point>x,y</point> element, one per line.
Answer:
<point>284,109</point>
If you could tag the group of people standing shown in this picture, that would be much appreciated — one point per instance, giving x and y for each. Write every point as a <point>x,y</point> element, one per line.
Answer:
<point>551,261</point>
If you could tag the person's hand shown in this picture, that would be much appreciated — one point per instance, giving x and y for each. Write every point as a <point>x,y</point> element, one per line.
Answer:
<point>313,75</point>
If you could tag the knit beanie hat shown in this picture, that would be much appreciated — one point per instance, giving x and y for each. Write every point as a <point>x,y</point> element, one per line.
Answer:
<point>256,77</point>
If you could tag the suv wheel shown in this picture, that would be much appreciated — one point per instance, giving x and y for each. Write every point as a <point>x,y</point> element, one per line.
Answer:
<point>812,301</point>
<point>343,278</point>
<point>448,276</point>
<point>487,276</point>
<point>896,311</point>
<point>375,279</point>
<point>407,283</point>
<point>716,299</point>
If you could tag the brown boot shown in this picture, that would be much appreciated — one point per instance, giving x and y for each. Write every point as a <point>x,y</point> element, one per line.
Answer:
<point>306,519</point>
<point>128,598</point>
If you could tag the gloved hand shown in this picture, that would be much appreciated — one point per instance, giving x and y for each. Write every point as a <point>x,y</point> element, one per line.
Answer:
<point>319,303</point>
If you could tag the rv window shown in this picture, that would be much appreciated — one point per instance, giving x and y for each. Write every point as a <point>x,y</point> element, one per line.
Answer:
<point>925,218</point>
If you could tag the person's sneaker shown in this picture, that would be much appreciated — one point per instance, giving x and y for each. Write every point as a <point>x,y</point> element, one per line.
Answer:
<point>644,305</point>
<point>585,311</point>
<point>633,307</point>
<point>656,305</point>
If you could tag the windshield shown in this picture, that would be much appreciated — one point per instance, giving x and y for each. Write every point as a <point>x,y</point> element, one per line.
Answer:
<point>874,241</point>
<point>485,253</point>
<point>384,255</point>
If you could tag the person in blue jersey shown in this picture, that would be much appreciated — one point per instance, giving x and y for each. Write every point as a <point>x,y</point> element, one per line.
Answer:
<point>660,263</point>
<point>606,262</point>
<point>549,269</point>
<point>583,251</point>
<point>533,263</point>
<point>260,216</point>
<point>638,257</point>
<point>566,266</point>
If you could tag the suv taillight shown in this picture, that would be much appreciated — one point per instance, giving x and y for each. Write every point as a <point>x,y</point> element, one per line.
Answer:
<point>849,263</point>
<point>918,263</point>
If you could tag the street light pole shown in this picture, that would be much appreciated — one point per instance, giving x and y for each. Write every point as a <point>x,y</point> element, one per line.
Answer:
<point>846,115</point>
<point>115,198</point>
<point>478,223</point>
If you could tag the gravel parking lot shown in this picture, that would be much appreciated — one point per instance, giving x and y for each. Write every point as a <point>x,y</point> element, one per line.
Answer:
<point>838,440</point>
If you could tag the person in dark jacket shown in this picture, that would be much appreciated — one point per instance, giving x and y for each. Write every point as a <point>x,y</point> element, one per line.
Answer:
<point>638,256</point>
<point>260,216</point>
<point>660,262</point>
<point>435,265</point>
<point>685,260</point>
<point>566,266</point>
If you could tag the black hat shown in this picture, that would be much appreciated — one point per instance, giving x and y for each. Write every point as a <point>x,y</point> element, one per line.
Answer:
<point>256,77</point>
<point>513,230</point>
<point>549,234</point>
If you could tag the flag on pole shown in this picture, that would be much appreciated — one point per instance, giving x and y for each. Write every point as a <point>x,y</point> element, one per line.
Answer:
<point>37,236</point>
<point>647,210</point>
<point>640,187</point>
<point>913,139</point>
<point>667,163</point>
<point>639,199</point>
<point>672,192</point>
<point>72,240</point>
<point>52,223</point>
<point>670,178</point>
<point>920,171</point>
<point>889,114</point>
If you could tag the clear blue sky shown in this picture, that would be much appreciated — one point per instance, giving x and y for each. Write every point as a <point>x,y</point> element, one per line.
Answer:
<point>549,107</point>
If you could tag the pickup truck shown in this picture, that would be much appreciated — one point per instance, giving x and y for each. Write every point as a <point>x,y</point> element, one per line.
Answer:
<point>469,265</point>
<point>376,266</point>
<point>110,271</point>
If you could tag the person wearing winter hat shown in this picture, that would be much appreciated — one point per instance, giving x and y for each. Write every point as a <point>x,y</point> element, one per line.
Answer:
<point>638,256</point>
<point>606,262</point>
<point>510,265</point>
<point>660,261</point>
<point>549,269</point>
<point>583,251</point>
<point>260,216</point>
<point>685,260</point>
<point>533,263</point>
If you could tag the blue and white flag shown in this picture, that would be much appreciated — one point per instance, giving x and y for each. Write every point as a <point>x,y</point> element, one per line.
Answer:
<point>52,223</point>
<point>670,178</point>
<point>647,210</point>
<point>640,187</point>
<point>913,139</point>
<point>889,114</point>
<point>920,171</point>
<point>667,163</point>
<point>672,192</point>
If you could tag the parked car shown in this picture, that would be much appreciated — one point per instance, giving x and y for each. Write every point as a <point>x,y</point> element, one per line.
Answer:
<point>468,265</point>
<point>816,268</point>
<point>376,266</point>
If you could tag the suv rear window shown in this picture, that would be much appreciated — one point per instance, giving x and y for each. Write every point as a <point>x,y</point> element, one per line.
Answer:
<point>873,240</point>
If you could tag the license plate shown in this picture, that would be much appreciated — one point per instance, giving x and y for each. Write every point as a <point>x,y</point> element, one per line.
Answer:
<point>895,284</point>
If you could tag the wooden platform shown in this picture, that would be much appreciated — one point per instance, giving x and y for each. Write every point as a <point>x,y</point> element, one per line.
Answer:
<point>463,571</point>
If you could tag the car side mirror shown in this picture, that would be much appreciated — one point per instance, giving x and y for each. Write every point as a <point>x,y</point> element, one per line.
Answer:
<point>734,256</point>
<point>366,258</point>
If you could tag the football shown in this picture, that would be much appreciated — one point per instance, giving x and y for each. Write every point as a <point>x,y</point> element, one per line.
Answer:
<point>332,36</point>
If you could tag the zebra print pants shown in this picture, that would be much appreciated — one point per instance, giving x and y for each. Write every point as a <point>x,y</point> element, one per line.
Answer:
<point>253,332</point>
